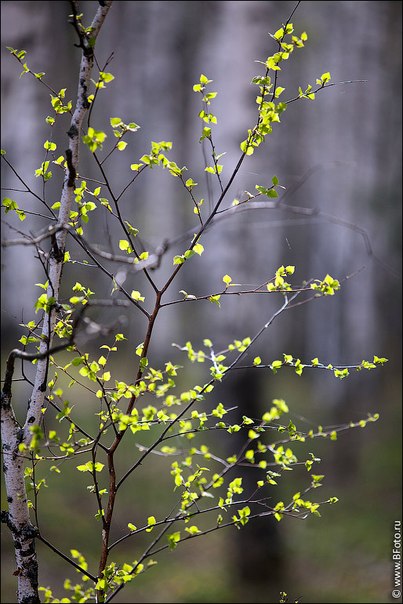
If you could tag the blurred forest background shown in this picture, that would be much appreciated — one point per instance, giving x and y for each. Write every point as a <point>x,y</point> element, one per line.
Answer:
<point>340,154</point>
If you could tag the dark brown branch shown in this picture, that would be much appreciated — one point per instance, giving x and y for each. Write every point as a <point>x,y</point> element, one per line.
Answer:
<point>16,353</point>
<point>66,558</point>
<point>28,189</point>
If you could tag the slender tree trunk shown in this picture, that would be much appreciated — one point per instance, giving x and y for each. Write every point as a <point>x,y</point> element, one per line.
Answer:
<point>263,569</point>
<point>16,439</point>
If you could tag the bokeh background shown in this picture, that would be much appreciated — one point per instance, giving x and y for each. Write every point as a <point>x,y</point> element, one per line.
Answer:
<point>340,155</point>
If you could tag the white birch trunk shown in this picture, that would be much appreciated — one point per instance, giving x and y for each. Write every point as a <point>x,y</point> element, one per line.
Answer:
<point>13,435</point>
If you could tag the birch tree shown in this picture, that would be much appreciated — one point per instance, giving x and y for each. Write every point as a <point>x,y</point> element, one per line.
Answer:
<point>206,485</point>
<point>14,436</point>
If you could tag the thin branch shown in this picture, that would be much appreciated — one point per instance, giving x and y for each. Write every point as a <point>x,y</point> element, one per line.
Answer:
<point>123,191</point>
<point>16,353</point>
<point>66,558</point>
<point>202,390</point>
<point>309,215</point>
<point>28,189</point>
<point>323,86</point>
<point>121,221</point>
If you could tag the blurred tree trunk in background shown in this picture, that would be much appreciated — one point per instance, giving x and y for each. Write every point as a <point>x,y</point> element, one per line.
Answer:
<point>259,558</point>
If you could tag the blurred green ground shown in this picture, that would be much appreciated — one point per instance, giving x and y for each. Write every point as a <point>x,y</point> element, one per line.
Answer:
<point>343,557</point>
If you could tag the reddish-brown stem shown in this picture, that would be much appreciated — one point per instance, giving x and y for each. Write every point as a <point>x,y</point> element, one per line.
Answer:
<point>113,486</point>
<point>121,221</point>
